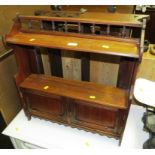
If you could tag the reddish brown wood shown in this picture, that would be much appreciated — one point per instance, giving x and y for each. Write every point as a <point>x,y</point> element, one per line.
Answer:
<point>80,35</point>
<point>97,18</point>
<point>81,44</point>
<point>94,118</point>
<point>126,71</point>
<point>53,54</point>
<point>85,105</point>
<point>94,115</point>
<point>23,64</point>
<point>54,105</point>
<point>102,95</point>
<point>69,102</point>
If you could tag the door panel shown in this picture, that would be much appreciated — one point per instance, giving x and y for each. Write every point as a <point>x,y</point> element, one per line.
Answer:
<point>52,105</point>
<point>94,117</point>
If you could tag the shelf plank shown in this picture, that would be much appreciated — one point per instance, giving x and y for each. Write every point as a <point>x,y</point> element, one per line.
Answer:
<point>96,17</point>
<point>109,47</point>
<point>84,91</point>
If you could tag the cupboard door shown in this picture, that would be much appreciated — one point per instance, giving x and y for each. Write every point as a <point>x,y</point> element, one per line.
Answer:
<point>96,118</point>
<point>49,107</point>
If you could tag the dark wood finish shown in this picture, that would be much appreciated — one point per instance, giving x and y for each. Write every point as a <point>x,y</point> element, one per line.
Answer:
<point>85,105</point>
<point>35,61</point>
<point>93,118</point>
<point>85,66</point>
<point>53,105</point>
<point>70,102</point>
<point>54,54</point>
<point>97,18</point>
<point>55,62</point>
<point>85,59</point>
<point>126,69</point>
<point>125,81</point>
<point>95,115</point>
<point>23,64</point>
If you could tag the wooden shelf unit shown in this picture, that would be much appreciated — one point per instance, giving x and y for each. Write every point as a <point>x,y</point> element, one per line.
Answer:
<point>85,91</point>
<point>103,46</point>
<point>97,108</point>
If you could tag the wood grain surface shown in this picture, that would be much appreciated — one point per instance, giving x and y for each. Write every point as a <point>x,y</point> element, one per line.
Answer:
<point>97,18</point>
<point>75,44</point>
<point>85,91</point>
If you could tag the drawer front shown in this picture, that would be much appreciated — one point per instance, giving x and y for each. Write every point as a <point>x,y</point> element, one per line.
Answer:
<point>94,117</point>
<point>52,106</point>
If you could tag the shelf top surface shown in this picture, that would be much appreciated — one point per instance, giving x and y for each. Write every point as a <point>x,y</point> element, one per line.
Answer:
<point>84,91</point>
<point>102,46</point>
<point>97,18</point>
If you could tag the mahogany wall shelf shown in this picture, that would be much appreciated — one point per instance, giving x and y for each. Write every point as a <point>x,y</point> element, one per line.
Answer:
<point>82,104</point>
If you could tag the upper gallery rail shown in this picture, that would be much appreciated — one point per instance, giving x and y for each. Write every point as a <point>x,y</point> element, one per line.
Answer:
<point>100,26</point>
<point>85,25</point>
<point>133,20</point>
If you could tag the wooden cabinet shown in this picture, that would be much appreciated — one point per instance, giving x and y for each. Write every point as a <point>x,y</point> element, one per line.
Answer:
<point>73,112</point>
<point>53,106</point>
<point>79,104</point>
<point>97,119</point>
<point>86,105</point>
<point>88,115</point>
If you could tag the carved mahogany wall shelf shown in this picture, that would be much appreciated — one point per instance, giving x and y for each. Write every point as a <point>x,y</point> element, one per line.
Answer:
<point>85,105</point>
